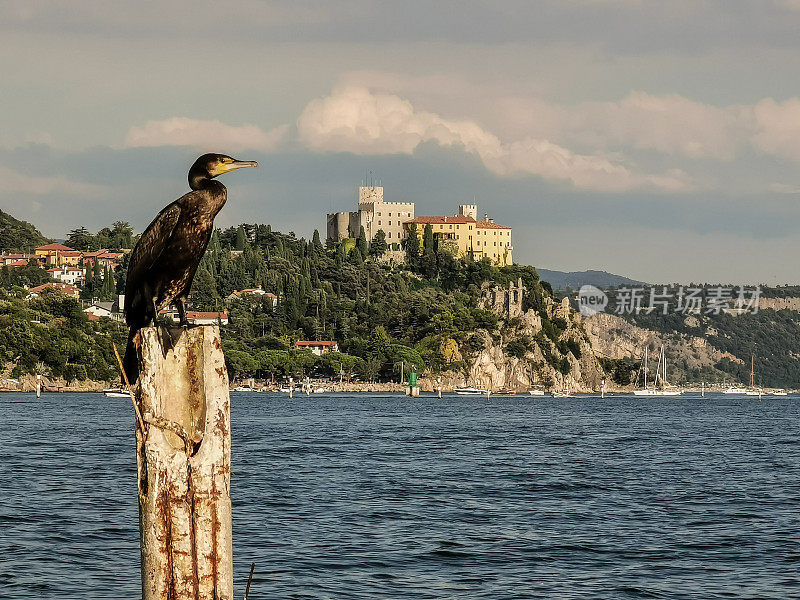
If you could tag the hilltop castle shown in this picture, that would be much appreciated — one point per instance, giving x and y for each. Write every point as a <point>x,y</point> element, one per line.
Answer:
<point>462,233</point>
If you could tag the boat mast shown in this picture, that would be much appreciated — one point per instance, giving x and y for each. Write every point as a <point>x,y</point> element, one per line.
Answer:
<point>752,373</point>
<point>645,367</point>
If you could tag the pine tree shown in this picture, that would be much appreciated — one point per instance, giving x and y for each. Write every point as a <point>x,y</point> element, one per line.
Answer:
<point>428,252</point>
<point>241,238</point>
<point>378,245</point>
<point>361,243</point>
<point>412,246</point>
<point>315,241</point>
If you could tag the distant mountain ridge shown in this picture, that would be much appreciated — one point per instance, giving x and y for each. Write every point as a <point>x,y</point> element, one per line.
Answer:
<point>561,280</point>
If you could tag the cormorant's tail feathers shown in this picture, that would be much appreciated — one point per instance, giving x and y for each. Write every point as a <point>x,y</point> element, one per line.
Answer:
<point>130,362</point>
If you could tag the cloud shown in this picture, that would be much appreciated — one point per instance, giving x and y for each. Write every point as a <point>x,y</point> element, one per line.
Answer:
<point>204,135</point>
<point>12,182</point>
<point>778,128</point>
<point>355,119</point>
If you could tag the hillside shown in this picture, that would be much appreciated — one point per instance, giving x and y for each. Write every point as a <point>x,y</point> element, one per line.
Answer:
<point>561,280</point>
<point>18,236</point>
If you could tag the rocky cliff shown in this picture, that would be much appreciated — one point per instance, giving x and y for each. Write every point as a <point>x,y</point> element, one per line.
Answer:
<point>523,354</point>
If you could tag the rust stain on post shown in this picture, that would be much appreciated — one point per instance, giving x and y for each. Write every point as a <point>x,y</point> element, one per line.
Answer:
<point>183,460</point>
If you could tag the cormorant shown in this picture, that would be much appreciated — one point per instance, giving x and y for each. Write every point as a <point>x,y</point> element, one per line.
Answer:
<point>165,259</point>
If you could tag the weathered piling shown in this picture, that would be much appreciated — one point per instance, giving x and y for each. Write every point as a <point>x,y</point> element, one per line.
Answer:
<point>184,465</point>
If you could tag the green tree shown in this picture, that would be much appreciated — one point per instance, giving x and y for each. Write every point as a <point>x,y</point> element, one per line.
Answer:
<point>241,238</point>
<point>204,291</point>
<point>428,252</point>
<point>378,245</point>
<point>361,242</point>
<point>412,246</point>
<point>80,239</point>
<point>121,235</point>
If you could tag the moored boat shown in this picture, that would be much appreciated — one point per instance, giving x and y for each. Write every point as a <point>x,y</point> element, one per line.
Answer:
<point>504,392</point>
<point>660,386</point>
<point>470,391</point>
<point>116,393</point>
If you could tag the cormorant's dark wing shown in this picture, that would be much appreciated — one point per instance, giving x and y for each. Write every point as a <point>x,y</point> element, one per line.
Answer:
<point>153,241</point>
<point>151,244</point>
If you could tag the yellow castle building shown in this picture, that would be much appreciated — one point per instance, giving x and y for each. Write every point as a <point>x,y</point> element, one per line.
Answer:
<point>467,235</point>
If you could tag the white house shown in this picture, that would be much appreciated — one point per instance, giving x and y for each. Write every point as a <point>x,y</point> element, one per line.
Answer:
<point>206,318</point>
<point>318,348</point>
<point>67,274</point>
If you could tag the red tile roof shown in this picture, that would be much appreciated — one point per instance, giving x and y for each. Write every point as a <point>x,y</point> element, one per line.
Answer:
<point>445,219</point>
<point>70,290</point>
<point>58,247</point>
<point>489,225</point>
<point>206,315</point>
<point>458,220</point>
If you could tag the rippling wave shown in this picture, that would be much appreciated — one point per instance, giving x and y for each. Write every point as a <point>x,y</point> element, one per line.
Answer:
<point>358,497</point>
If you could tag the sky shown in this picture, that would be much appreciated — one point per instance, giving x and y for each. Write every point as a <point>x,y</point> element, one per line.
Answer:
<point>657,140</point>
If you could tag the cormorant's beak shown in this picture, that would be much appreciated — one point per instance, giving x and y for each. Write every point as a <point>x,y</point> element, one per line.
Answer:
<point>221,168</point>
<point>239,164</point>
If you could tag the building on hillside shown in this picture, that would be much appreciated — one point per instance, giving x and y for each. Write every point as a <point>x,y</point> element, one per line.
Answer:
<point>64,288</point>
<point>258,292</point>
<point>318,348</point>
<point>58,254</point>
<point>102,257</point>
<point>17,259</point>
<point>373,214</point>
<point>465,235</point>
<point>17,263</point>
<point>206,318</point>
<point>104,310</point>
<point>65,274</point>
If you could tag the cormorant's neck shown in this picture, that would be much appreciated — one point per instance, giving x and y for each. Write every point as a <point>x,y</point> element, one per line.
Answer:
<point>198,179</point>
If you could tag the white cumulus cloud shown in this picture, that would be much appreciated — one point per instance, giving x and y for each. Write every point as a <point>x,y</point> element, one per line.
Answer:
<point>358,120</point>
<point>212,136</point>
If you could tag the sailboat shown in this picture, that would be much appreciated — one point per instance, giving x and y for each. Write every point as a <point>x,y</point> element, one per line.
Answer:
<point>750,390</point>
<point>660,385</point>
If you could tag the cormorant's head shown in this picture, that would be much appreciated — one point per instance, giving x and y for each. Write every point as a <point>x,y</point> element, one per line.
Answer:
<point>213,165</point>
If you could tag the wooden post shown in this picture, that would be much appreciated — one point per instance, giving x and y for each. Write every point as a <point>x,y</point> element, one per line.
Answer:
<point>184,465</point>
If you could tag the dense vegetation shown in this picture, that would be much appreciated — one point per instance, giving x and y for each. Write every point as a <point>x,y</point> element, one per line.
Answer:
<point>386,319</point>
<point>422,315</point>
<point>51,335</point>
<point>18,236</point>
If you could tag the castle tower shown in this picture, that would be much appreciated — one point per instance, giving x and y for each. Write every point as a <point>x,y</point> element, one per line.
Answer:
<point>368,194</point>
<point>468,210</point>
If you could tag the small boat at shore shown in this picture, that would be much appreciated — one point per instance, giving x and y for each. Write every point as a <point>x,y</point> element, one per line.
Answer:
<point>116,393</point>
<point>505,392</point>
<point>565,393</point>
<point>536,392</point>
<point>470,391</point>
<point>780,392</point>
<point>660,387</point>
